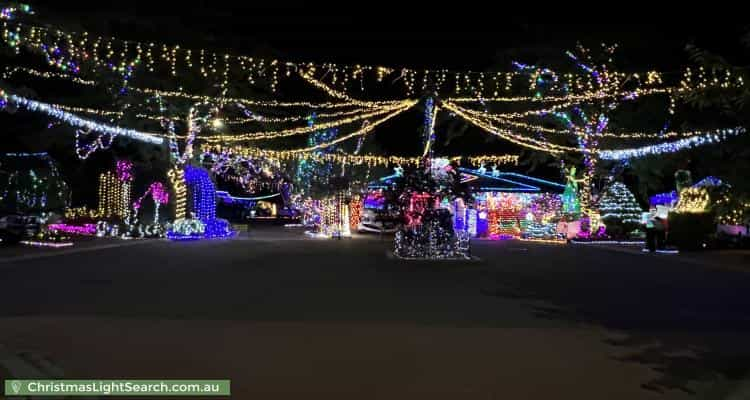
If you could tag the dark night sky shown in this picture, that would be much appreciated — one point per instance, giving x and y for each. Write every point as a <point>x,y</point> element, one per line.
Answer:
<point>392,34</point>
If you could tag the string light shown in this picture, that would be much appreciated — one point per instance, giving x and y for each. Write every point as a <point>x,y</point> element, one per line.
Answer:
<point>671,147</point>
<point>85,229</point>
<point>693,200</point>
<point>394,110</point>
<point>369,160</point>
<point>111,196</point>
<point>82,212</point>
<point>618,202</point>
<point>308,77</point>
<point>74,120</point>
<point>82,46</point>
<point>508,135</point>
<point>177,179</point>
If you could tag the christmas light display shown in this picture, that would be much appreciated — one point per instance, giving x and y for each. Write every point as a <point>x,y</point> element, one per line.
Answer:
<point>46,244</point>
<point>177,180</point>
<point>693,200</point>
<point>369,160</point>
<point>538,230</point>
<point>78,122</point>
<point>85,229</point>
<point>179,59</point>
<point>502,216</point>
<point>112,199</point>
<point>33,183</point>
<point>160,196</point>
<point>311,174</point>
<point>618,203</point>
<point>8,13</point>
<point>570,203</point>
<point>203,192</point>
<point>355,212</point>
<point>671,147</point>
<point>388,112</point>
<point>186,229</point>
<point>432,239</point>
<point>82,212</point>
<point>668,199</point>
<point>124,170</point>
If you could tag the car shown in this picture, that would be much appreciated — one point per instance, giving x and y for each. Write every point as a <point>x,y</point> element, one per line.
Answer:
<point>377,221</point>
<point>14,227</point>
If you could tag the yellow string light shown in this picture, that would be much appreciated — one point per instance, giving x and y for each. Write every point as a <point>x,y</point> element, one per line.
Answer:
<point>394,110</point>
<point>369,160</point>
<point>308,77</point>
<point>177,179</point>
<point>618,135</point>
<point>693,200</point>
<point>510,136</point>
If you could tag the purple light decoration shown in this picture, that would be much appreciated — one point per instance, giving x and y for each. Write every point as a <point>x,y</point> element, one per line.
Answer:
<point>85,229</point>
<point>125,170</point>
<point>159,193</point>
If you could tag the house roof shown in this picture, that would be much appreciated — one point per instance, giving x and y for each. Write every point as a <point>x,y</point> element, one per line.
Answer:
<point>480,181</point>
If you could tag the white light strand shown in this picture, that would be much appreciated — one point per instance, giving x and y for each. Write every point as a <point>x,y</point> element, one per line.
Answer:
<point>670,147</point>
<point>76,121</point>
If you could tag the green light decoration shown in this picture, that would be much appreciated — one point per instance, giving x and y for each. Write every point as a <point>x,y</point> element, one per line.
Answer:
<point>570,203</point>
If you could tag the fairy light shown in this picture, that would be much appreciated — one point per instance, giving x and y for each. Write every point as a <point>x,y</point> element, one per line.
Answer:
<point>82,46</point>
<point>307,76</point>
<point>111,195</point>
<point>76,121</point>
<point>693,200</point>
<point>393,110</point>
<point>177,180</point>
<point>368,160</point>
<point>431,110</point>
<point>508,135</point>
<point>82,212</point>
<point>671,147</point>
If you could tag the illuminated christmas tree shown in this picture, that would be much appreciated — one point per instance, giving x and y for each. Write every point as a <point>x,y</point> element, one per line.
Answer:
<point>312,177</point>
<point>618,204</point>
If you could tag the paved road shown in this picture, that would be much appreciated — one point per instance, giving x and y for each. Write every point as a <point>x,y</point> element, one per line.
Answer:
<point>284,316</point>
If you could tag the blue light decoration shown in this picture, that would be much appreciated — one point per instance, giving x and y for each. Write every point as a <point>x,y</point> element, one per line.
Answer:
<point>709,181</point>
<point>664,199</point>
<point>204,223</point>
<point>204,192</point>
<point>471,222</point>
<point>482,222</point>
<point>429,126</point>
<point>671,147</point>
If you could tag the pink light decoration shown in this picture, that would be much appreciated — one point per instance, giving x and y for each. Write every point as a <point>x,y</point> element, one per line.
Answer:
<point>85,229</point>
<point>159,193</point>
<point>125,170</point>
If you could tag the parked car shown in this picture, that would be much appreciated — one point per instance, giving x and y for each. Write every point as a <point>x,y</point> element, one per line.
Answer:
<point>14,228</point>
<point>377,221</point>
